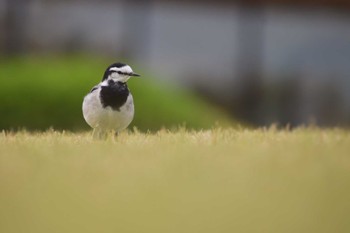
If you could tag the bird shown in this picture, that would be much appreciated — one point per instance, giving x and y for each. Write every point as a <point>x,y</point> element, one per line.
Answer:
<point>109,106</point>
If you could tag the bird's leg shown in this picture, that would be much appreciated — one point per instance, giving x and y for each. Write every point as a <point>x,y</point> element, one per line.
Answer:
<point>99,134</point>
<point>96,134</point>
<point>116,134</point>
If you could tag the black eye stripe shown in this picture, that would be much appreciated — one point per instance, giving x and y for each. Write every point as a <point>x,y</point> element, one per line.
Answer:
<point>122,73</point>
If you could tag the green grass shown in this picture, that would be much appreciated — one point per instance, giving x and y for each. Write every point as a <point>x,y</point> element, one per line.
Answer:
<point>37,93</point>
<point>219,180</point>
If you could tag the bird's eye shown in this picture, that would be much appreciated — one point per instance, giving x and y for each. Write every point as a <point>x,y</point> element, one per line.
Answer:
<point>119,72</point>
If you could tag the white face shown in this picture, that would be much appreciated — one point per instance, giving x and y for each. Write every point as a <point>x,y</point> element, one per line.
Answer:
<point>120,74</point>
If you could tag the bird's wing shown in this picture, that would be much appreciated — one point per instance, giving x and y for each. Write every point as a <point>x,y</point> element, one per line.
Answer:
<point>94,88</point>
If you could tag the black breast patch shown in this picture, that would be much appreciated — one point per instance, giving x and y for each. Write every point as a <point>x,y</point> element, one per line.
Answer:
<point>114,95</point>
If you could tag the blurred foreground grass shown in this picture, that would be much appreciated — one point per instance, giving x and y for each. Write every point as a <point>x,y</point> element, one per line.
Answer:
<point>205,181</point>
<point>37,93</point>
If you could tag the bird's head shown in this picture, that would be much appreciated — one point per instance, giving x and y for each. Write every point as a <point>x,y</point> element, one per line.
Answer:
<point>118,72</point>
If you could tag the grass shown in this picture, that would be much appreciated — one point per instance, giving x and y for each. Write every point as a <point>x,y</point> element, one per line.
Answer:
<point>219,180</point>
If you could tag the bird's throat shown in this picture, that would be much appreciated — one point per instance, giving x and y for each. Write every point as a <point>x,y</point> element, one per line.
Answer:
<point>114,95</point>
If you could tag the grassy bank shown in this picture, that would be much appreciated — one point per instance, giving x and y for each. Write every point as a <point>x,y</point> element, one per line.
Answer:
<point>37,93</point>
<point>206,181</point>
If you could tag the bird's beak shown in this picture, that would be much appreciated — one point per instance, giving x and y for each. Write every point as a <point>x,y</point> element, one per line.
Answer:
<point>135,75</point>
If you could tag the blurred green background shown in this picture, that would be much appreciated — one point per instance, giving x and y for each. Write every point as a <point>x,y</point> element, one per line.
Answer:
<point>37,93</point>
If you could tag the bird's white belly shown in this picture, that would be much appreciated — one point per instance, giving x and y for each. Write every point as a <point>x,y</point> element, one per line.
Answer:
<point>106,118</point>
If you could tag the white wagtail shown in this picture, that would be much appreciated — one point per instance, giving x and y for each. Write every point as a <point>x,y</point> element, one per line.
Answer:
<point>109,105</point>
